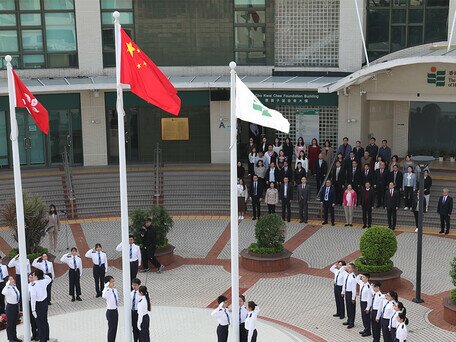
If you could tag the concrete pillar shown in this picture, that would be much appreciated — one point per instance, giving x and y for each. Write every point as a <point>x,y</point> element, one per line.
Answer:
<point>350,43</point>
<point>352,116</point>
<point>220,131</point>
<point>401,128</point>
<point>93,119</point>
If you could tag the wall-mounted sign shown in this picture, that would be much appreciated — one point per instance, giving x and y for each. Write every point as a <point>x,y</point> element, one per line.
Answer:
<point>175,129</point>
<point>441,78</point>
<point>296,98</point>
<point>308,124</point>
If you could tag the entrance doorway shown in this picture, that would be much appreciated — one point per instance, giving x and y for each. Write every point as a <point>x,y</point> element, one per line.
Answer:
<point>131,135</point>
<point>31,141</point>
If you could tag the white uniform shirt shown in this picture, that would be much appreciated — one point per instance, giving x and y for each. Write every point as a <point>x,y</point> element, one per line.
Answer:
<point>142,310</point>
<point>222,315</point>
<point>339,275</point>
<point>401,332</point>
<point>42,266</point>
<point>350,285</point>
<point>17,265</point>
<point>135,252</point>
<point>365,293</point>
<point>38,290</point>
<point>386,309</point>
<point>98,258</point>
<point>70,260</point>
<point>112,298</point>
<point>250,322</point>
<point>393,323</point>
<point>377,300</point>
<point>3,273</point>
<point>134,299</point>
<point>243,313</point>
<point>11,293</point>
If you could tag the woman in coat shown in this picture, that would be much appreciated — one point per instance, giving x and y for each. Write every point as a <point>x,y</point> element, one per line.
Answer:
<point>53,227</point>
<point>328,153</point>
<point>312,155</point>
<point>349,203</point>
<point>271,198</point>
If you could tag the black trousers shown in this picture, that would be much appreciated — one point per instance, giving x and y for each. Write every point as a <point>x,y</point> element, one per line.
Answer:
<point>256,211</point>
<point>242,333</point>
<point>98,277</point>
<point>41,309</point>
<point>75,282</point>
<point>365,317</point>
<point>351,308</point>
<point>150,256</point>
<point>254,336</point>
<point>286,209</point>
<point>339,193</point>
<point>134,269</point>
<point>144,335</point>
<point>12,312</point>
<point>367,215</point>
<point>415,213</point>
<point>33,322</point>
<point>2,297</point>
<point>271,208</point>
<point>408,196</point>
<point>340,307</point>
<point>328,207</point>
<point>222,333</point>
<point>113,318</point>
<point>385,330</point>
<point>380,195</point>
<point>134,324</point>
<point>18,282</point>
<point>444,222</point>
<point>375,326</point>
<point>303,211</point>
<point>319,180</point>
<point>392,213</point>
<point>49,288</point>
<point>393,334</point>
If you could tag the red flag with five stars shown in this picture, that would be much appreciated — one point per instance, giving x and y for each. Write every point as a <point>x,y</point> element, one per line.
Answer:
<point>145,78</point>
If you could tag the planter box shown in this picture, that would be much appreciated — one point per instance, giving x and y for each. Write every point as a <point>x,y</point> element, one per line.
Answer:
<point>391,280</point>
<point>264,263</point>
<point>165,255</point>
<point>449,311</point>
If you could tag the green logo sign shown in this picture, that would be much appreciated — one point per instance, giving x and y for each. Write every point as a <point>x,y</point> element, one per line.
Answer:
<point>263,110</point>
<point>436,77</point>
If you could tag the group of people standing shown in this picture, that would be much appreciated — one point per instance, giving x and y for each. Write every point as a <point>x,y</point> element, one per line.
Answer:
<point>382,314</point>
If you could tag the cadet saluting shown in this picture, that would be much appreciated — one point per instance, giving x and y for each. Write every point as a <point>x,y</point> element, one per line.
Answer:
<point>14,262</point>
<point>42,263</point>
<point>100,266</point>
<point>12,297</point>
<point>3,279</point>
<point>38,299</point>
<point>112,302</point>
<point>223,318</point>
<point>74,262</point>
<point>340,273</point>
<point>349,291</point>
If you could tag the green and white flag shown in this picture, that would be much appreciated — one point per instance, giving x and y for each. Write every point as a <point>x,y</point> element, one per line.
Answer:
<point>249,108</point>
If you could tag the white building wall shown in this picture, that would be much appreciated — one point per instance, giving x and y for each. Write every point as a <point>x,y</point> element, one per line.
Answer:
<point>350,44</point>
<point>451,12</point>
<point>401,127</point>
<point>220,131</point>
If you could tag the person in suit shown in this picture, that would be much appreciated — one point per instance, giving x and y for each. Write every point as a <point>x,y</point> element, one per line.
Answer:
<point>354,177</point>
<point>372,148</point>
<point>270,155</point>
<point>367,175</point>
<point>397,178</point>
<point>320,171</point>
<point>358,150</point>
<point>286,195</point>
<point>444,208</point>
<point>286,171</point>
<point>149,235</point>
<point>345,148</point>
<point>349,161</point>
<point>338,179</point>
<point>303,200</point>
<point>391,204</point>
<point>272,174</point>
<point>299,173</point>
<point>255,194</point>
<point>384,151</point>
<point>367,203</point>
<point>380,182</point>
<point>327,196</point>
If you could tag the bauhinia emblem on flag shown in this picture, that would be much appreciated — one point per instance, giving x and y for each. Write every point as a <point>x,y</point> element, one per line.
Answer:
<point>25,99</point>
<point>145,78</point>
<point>249,108</point>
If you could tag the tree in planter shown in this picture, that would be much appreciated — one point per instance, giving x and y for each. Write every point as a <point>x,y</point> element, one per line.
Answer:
<point>36,221</point>
<point>378,245</point>
<point>161,221</point>
<point>270,235</point>
<point>453,277</point>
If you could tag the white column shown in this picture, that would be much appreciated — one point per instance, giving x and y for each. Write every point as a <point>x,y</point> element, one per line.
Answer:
<point>350,45</point>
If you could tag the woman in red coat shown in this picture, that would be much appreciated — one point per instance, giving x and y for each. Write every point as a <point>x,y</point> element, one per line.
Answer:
<point>312,155</point>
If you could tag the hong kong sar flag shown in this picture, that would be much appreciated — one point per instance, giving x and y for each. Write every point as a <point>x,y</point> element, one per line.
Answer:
<point>25,99</point>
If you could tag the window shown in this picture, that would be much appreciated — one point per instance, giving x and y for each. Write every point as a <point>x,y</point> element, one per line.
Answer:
<point>38,33</point>
<point>125,7</point>
<point>250,32</point>
<point>397,24</point>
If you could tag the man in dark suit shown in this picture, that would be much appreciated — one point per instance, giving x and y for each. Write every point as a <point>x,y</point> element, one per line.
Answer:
<point>391,204</point>
<point>372,148</point>
<point>349,161</point>
<point>150,243</point>
<point>354,177</point>
<point>327,196</point>
<point>255,194</point>
<point>286,171</point>
<point>273,174</point>
<point>338,179</point>
<point>380,183</point>
<point>396,177</point>
<point>358,150</point>
<point>367,203</point>
<point>320,171</point>
<point>367,175</point>
<point>444,208</point>
<point>286,195</point>
<point>299,173</point>
<point>303,200</point>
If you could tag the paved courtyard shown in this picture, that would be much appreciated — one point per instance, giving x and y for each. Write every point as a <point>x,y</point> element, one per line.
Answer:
<point>297,305</point>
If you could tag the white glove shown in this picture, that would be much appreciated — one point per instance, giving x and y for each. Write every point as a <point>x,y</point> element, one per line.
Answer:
<point>139,327</point>
<point>34,314</point>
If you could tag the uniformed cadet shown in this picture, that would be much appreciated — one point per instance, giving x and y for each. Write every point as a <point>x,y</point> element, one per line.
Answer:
<point>12,298</point>
<point>100,267</point>
<point>398,308</point>
<point>377,299</point>
<point>242,316</point>
<point>340,273</point>
<point>385,313</point>
<point>3,279</point>
<point>135,283</point>
<point>14,262</point>
<point>42,263</point>
<point>365,301</point>
<point>32,318</point>
<point>38,300</point>
<point>112,303</point>
<point>250,321</point>
<point>401,332</point>
<point>135,256</point>
<point>74,262</point>
<point>349,292</point>
<point>143,315</point>
<point>223,318</point>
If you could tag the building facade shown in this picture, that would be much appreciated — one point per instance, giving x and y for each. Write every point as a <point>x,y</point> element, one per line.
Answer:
<point>298,56</point>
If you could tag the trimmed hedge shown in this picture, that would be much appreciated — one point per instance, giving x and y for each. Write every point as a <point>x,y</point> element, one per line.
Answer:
<point>264,250</point>
<point>270,235</point>
<point>32,256</point>
<point>453,278</point>
<point>453,295</point>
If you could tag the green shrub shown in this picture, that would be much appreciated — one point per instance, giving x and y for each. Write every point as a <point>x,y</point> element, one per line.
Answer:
<point>378,245</point>
<point>453,295</point>
<point>270,234</point>
<point>32,256</point>
<point>453,279</point>
<point>161,221</point>
<point>265,250</point>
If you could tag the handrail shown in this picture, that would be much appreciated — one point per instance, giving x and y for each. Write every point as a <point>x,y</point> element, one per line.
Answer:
<point>157,183</point>
<point>68,179</point>
<point>330,170</point>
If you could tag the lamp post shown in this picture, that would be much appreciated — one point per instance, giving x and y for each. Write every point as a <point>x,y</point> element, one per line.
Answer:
<point>422,162</point>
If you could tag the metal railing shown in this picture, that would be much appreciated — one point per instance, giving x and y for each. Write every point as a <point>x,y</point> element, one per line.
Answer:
<point>157,179</point>
<point>68,180</point>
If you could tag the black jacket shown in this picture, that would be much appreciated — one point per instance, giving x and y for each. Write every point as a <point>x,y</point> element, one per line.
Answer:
<point>149,236</point>
<point>369,201</point>
<point>391,202</point>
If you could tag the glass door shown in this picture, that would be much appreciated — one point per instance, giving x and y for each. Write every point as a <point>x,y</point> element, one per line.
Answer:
<point>31,140</point>
<point>131,135</point>
<point>3,140</point>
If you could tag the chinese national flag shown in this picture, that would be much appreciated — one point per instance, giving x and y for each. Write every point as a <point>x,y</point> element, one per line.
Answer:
<point>25,99</point>
<point>145,78</point>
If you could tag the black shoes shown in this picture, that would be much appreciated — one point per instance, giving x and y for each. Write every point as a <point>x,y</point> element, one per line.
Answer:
<point>350,326</point>
<point>73,299</point>
<point>336,315</point>
<point>364,227</point>
<point>345,323</point>
<point>346,225</point>
<point>324,222</point>
<point>441,232</point>
<point>366,334</point>
<point>78,299</point>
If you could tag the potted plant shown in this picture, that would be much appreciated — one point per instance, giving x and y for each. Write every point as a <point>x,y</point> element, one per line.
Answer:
<point>267,254</point>
<point>452,155</point>
<point>449,303</point>
<point>378,245</point>
<point>163,223</point>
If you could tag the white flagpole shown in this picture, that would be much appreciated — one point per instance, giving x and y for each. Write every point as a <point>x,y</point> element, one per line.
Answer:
<point>123,187</point>
<point>234,211</point>
<point>361,32</point>
<point>19,201</point>
<point>450,39</point>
